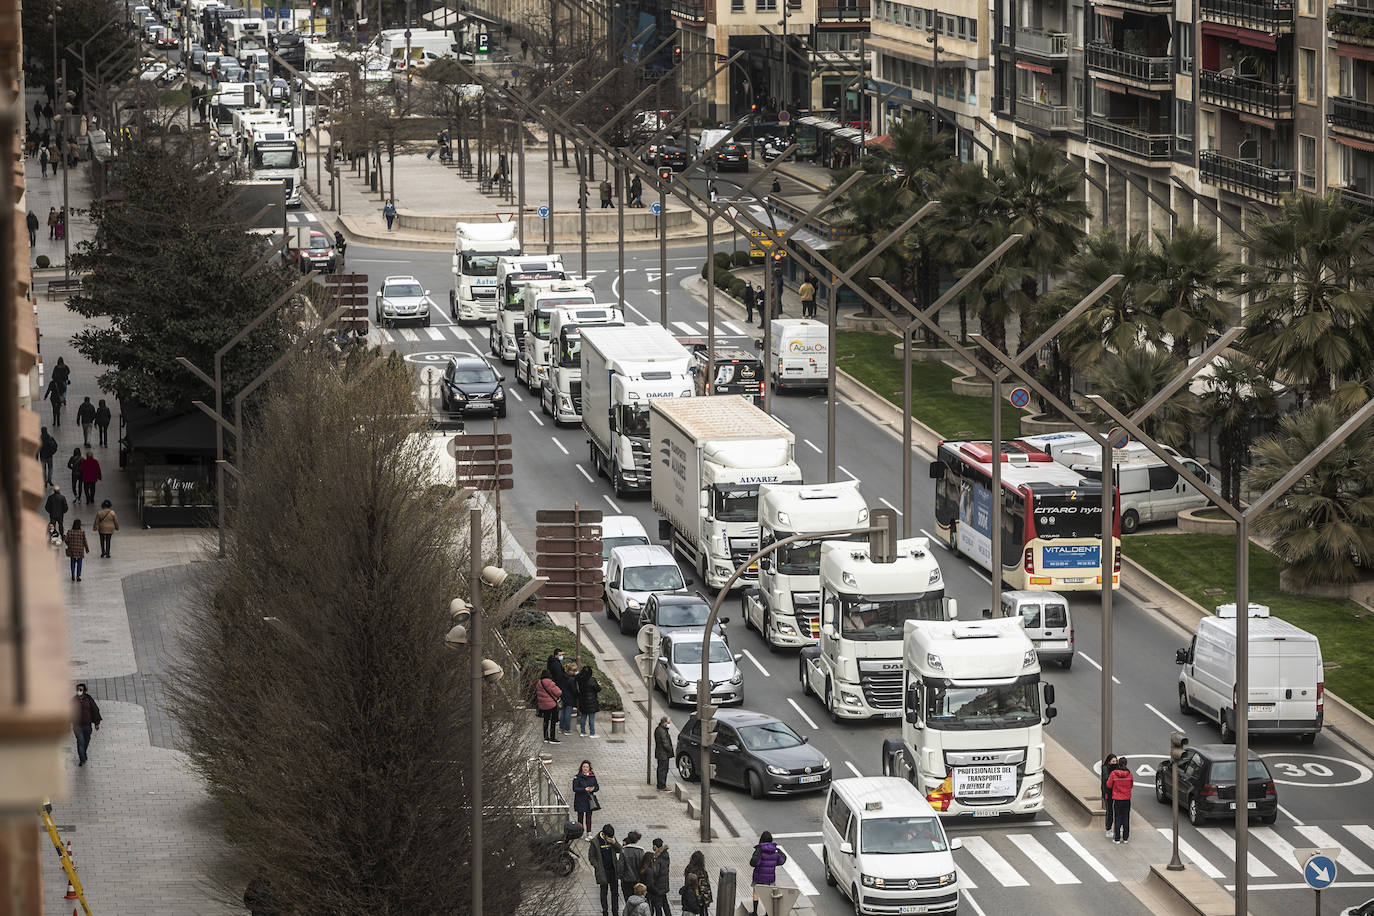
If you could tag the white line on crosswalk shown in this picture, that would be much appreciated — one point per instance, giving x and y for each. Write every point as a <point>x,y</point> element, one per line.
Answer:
<point>409,334</point>
<point>1362,832</point>
<point>801,712</point>
<point>968,898</point>
<point>293,217</point>
<point>1069,840</point>
<point>1270,837</point>
<point>799,879</point>
<point>1227,845</point>
<point>990,859</point>
<point>435,333</point>
<point>1192,855</point>
<point>1348,861</point>
<point>585,474</point>
<point>386,335</point>
<point>734,329</point>
<point>685,328</point>
<point>1040,856</point>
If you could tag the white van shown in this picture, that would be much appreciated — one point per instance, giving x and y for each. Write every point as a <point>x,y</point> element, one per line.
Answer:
<point>1286,679</point>
<point>1047,621</point>
<point>885,848</point>
<point>799,354</point>
<point>1150,490</point>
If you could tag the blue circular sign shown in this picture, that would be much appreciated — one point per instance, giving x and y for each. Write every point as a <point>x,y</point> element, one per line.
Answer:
<point>655,209</point>
<point>1019,397</point>
<point>1320,872</point>
<point>543,212</point>
<point>515,72</point>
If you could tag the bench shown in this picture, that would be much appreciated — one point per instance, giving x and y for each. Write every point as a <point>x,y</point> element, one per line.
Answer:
<point>63,287</point>
<point>490,184</point>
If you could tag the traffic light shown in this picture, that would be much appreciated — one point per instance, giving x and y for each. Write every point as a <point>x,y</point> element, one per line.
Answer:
<point>677,56</point>
<point>1177,742</point>
<point>665,174</point>
<point>708,726</point>
<point>882,542</point>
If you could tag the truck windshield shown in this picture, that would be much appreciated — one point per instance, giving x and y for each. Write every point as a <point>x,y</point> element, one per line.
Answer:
<point>735,503</point>
<point>634,420</point>
<point>993,706</point>
<point>275,159</point>
<point>570,349</point>
<point>901,836</point>
<point>882,618</point>
<point>800,558</point>
<point>479,265</point>
<point>541,323</point>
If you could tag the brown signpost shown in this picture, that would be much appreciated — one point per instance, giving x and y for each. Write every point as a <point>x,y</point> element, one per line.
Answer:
<point>567,550</point>
<point>349,291</point>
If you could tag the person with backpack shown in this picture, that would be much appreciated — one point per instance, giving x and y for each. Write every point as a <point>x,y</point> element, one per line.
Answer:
<point>698,881</point>
<point>768,857</point>
<point>627,870</point>
<point>657,878</point>
<point>546,694</point>
<point>47,450</point>
<point>604,854</point>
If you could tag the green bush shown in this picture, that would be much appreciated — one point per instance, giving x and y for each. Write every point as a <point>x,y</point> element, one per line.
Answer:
<point>705,270</point>
<point>723,279</point>
<point>723,260</point>
<point>43,261</point>
<point>737,288</point>
<point>532,647</point>
<point>742,258</point>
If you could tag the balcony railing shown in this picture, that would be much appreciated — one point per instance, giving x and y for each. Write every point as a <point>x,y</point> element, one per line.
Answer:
<point>1043,116</point>
<point>1351,23</point>
<point>1045,44</point>
<point>689,10</point>
<point>843,10</point>
<point>1362,204</point>
<point>1128,139</point>
<point>1244,94</point>
<point>1259,15</point>
<point>1242,177</point>
<point>1351,115</point>
<point>1125,65</point>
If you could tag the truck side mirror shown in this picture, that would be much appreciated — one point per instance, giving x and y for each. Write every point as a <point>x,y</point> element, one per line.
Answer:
<point>987,613</point>
<point>1181,657</point>
<point>1049,694</point>
<point>937,470</point>
<point>847,848</point>
<point>1050,713</point>
<point>704,499</point>
<point>765,563</point>
<point>953,605</point>
<point>828,631</point>
<point>758,343</point>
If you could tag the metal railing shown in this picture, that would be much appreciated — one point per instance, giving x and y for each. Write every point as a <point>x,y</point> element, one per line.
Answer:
<point>1355,200</point>
<point>688,10</point>
<point>1128,139</point>
<point>1039,114</point>
<point>1244,177</point>
<point>548,809</point>
<point>1136,67</point>
<point>843,10</point>
<point>1351,114</point>
<point>1266,15</point>
<point>1251,95</point>
<point>1039,41</point>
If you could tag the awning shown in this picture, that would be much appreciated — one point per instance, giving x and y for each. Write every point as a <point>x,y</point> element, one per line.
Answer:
<point>1037,68</point>
<point>1244,36</point>
<point>884,140</point>
<point>1355,51</point>
<point>1352,142</point>
<point>186,433</point>
<point>1111,12</point>
<point>850,134</point>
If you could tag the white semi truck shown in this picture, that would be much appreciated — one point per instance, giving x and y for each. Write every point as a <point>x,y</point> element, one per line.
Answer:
<point>856,666</point>
<point>539,299</point>
<point>507,331</point>
<point>476,247</point>
<point>268,150</point>
<point>623,371</point>
<point>562,394</point>
<point>710,456</point>
<point>786,606</point>
<point>973,716</point>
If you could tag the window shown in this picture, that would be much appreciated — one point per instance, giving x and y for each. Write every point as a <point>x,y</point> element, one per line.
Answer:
<point>1308,74</point>
<point>1184,118</point>
<point>1309,7</point>
<point>765,6</point>
<point>1307,161</point>
<point>736,6</point>
<point>1185,47</point>
<point>1099,102</point>
<point>1162,478</point>
<point>1077,97</point>
<point>973,30</point>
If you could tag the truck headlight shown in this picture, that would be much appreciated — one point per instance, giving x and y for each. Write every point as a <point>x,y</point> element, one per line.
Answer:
<point>737,678</point>
<point>564,403</point>
<point>786,629</point>
<point>849,699</point>
<point>950,878</point>
<point>776,771</point>
<point>724,571</point>
<point>1035,790</point>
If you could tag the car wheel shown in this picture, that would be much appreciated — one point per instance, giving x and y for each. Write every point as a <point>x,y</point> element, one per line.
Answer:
<point>625,626</point>
<point>825,868</point>
<point>1067,663</point>
<point>755,785</point>
<point>1130,521</point>
<point>1183,706</point>
<point>1161,795</point>
<point>1195,815</point>
<point>858,901</point>
<point>686,768</point>
<point>425,323</point>
<point>501,412</point>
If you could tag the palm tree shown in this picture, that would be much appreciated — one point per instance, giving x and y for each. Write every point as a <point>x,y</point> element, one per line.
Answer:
<point>1236,393</point>
<point>1129,378</point>
<point>967,226</point>
<point>1192,273</point>
<point>868,215</point>
<point>1310,317</point>
<point>1324,524</point>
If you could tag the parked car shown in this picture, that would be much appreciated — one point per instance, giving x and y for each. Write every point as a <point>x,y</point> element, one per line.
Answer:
<point>469,385</point>
<point>679,669</point>
<point>1207,784</point>
<point>402,299</point>
<point>755,751</point>
<point>732,157</point>
<point>634,574</point>
<point>671,613</point>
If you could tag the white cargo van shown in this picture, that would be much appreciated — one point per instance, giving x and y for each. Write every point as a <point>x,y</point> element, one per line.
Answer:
<point>1286,679</point>
<point>1048,623</point>
<point>885,848</point>
<point>799,353</point>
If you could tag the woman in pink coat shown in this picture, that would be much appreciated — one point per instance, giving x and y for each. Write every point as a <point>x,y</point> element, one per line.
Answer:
<point>546,696</point>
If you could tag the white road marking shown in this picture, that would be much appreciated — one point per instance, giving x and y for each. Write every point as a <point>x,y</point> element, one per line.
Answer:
<point>1167,721</point>
<point>814,447</point>
<point>1090,661</point>
<point>733,328</point>
<point>535,417</point>
<point>989,858</point>
<point>966,897</point>
<point>293,217</point>
<point>979,574</point>
<point>1069,840</point>
<point>386,335</point>
<point>801,712</point>
<point>560,445</point>
<point>1297,821</point>
<point>781,421</point>
<point>889,505</point>
<point>585,474</point>
<point>845,471</point>
<point>1227,845</point>
<point>1192,855</point>
<point>1270,837</point>
<point>409,334</point>
<point>611,503</point>
<point>435,333</point>
<point>799,879</point>
<point>685,328</point>
<point>1040,856</point>
<point>515,394</point>
<point>1348,861</point>
<point>853,769</point>
<point>798,836</point>
<point>1297,887</point>
<point>762,670</point>
<point>1362,832</point>
<point>934,540</point>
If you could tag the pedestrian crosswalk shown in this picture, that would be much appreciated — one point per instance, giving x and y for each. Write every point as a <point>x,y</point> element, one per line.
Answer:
<point>301,217</point>
<point>477,336</point>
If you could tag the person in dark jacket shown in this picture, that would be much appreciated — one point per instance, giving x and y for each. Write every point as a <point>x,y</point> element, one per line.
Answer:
<point>566,685</point>
<point>90,476</point>
<point>1119,785</point>
<point>604,854</point>
<point>56,507</point>
<point>47,451</point>
<point>657,879</point>
<point>32,222</point>
<point>77,548</point>
<point>751,299</point>
<point>102,423</point>
<point>56,395</point>
<point>62,374</point>
<point>1108,764</point>
<point>767,859</point>
<point>696,872</point>
<point>627,870</point>
<point>636,192</point>
<point>85,415</point>
<point>74,465</point>
<point>584,788</point>
<point>258,897</point>
<point>588,704</point>
<point>85,716</point>
<point>691,896</point>
<point>663,752</point>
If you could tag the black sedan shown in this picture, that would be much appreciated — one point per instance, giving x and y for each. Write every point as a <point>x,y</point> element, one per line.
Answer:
<point>756,752</point>
<point>1207,784</point>
<point>731,157</point>
<point>675,157</point>
<point>471,385</point>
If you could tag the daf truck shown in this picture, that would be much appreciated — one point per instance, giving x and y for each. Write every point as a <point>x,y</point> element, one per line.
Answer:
<point>786,607</point>
<point>269,151</point>
<point>539,299</point>
<point>562,394</point>
<point>973,716</point>
<point>507,331</point>
<point>476,247</point>
<point>624,370</point>
<point>710,457</point>
<point>855,668</point>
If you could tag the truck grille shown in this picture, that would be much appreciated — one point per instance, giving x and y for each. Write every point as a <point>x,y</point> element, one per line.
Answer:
<point>576,390</point>
<point>807,608</point>
<point>882,689</point>
<point>639,449</point>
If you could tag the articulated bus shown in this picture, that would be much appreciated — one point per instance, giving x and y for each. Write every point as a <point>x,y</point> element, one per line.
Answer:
<point>1051,516</point>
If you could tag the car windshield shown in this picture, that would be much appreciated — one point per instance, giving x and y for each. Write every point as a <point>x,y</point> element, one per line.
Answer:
<point>872,618</point>
<point>683,615</point>
<point>991,706</point>
<point>688,652</point>
<point>474,376</point>
<point>665,578</point>
<point>736,504</point>
<point>901,836</point>
<point>771,736</point>
<point>609,544</point>
<point>319,241</point>
<point>634,420</point>
<point>403,291</point>
<point>1224,771</point>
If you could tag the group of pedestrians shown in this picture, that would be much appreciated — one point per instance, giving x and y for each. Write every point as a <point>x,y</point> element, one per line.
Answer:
<point>756,298</point>
<point>563,688</point>
<point>1117,783</point>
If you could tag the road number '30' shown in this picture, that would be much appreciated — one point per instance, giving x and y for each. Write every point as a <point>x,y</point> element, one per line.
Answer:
<point>1293,771</point>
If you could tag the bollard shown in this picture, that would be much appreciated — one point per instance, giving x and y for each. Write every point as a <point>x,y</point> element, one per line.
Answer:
<point>725,892</point>
<point>617,723</point>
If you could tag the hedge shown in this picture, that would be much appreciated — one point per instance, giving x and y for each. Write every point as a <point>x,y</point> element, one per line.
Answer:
<point>724,278</point>
<point>723,260</point>
<point>742,258</point>
<point>532,647</point>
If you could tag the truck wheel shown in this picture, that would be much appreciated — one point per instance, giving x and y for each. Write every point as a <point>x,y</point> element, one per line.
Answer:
<point>801,671</point>
<point>453,305</point>
<point>625,624</point>
<point>954,538</point>
<point>830,704</point>
<point>618,481</point>
<point>1067,663</point>
<point>1130,521</point>
<point>1307,738</point>
<point>744,610</point>
<point>767,629</point>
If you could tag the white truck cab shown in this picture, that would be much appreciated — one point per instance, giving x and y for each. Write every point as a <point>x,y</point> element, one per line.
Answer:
<point>540,298</point>
<point>561,397</point>
<point>507,332</point>
<point>476,249</point>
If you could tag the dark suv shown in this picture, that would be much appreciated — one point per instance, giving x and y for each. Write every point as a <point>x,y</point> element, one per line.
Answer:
<point>732,157</point>
<point>470,384</point>
<point>1207,784</point>
<point>756,752</point>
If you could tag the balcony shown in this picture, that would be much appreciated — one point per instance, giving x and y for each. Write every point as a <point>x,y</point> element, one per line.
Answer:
<point>1351,24</point>
<point>693,11</point>
<point>1239,93</point>
<point>1351,116</point>
<point>1269,16</point>
<point>1129,140</point>
<point>1362,204</point>
<point>1149,7</point>
<point>1249,179</point>
<point>1051,118</point>
<point>1042,43</point>
<point>852,11</point>
<point>1135,69</point>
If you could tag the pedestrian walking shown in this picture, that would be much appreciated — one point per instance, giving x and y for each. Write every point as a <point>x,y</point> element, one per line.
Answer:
<point>663,752</point>
<point>605,194</point>
<point>588,703</point>
<point>37,112</point>
<point>808,297</point>
<point>604,854</point>
<point>699,879</point>
<point>768,857</point>
<point>43,161</point>
<point>636,902</point>
<point>106,524</point>
<point>751,298</point>
<point>74,466</point>
<point>258,898</point>
<point>636,192</point>
<point>62,374</point>
<point>777,289</point>
<point>56,394</point>
<point>1119,784</point>
<point>61,224</point>
<point>47,450</point>
<point>1108,765</point>
<point>47,112</point>
<point>85,716</point>
<point>77,548</point>
<point>52,216</point>
<point>389,213</point>
<point>524,48</point>
<point>90,476</point>
<point>33,224</point>
<point>658,879</point>
<point>585,787</point>
<point>691,896</point>
<point>85,415</point>
<point>715,195</point>
<point>627,870</point>
<point>546,696</point>
<point>102,423</point>
<point>777,186</point>
<point>56,507</point>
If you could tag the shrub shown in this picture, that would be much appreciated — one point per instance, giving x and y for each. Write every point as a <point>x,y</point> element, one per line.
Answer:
<point>737,288</point>
<point>723,278</point>
<point>705,270</point>
<point>742,258</point>
<point>43,261</point>
<point>723,260</point>
<point>532,647</point>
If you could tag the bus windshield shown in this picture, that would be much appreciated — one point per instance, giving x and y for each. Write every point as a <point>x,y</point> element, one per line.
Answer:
<point>1071,514</point>
<point>883,618</point>
<point>992,706</point>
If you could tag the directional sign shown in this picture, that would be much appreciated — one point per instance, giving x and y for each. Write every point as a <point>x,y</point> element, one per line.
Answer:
<point>1319,872</point>
<point>1118,437</point>
<point>1019,397</point>
<point>543,212</point>
<point>655,208</point>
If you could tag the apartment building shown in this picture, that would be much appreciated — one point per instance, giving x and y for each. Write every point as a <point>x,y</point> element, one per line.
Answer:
<point>1348,70</point>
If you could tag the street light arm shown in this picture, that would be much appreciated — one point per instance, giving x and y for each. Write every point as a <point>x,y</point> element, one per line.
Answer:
<point>267,373</point>
<point>519,598</point>
<point>1032,383</point>
<point>972,274</point>
<point>928,322</point>
<point>192,368</point>
<point>213,415</point>
<point>687,111</point>
<point>229,466</point>
<point>265,314</point>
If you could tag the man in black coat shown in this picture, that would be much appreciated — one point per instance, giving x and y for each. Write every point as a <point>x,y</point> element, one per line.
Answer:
<point>56,507</point>
<point>663,752</point>
<point>102,423</point>
<point>750,300</point>
<point>85,415</point>
<point>47,450</point>
<point>565,684</point>
<point>658,880</point>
